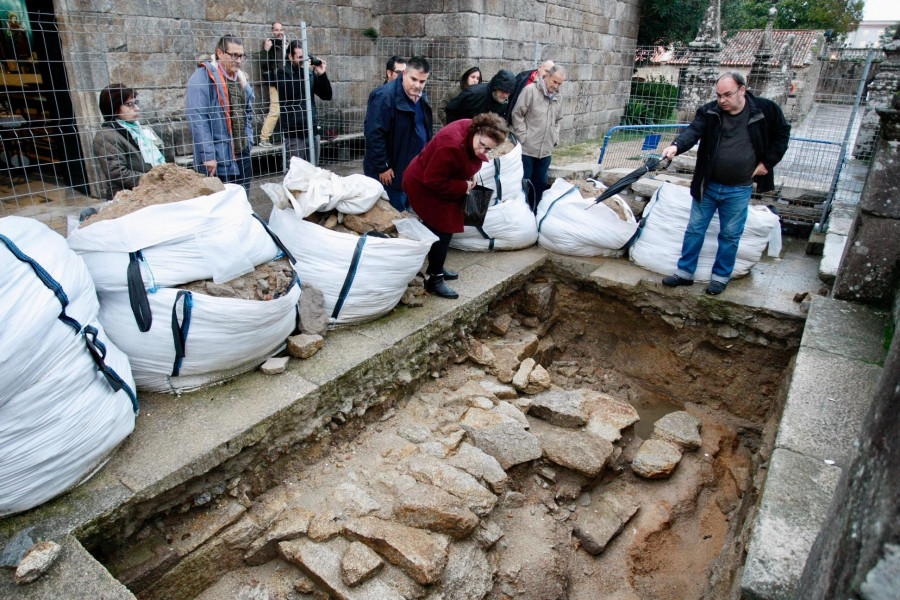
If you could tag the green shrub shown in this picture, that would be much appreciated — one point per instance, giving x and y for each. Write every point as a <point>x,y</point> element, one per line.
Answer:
<point>651,103</point>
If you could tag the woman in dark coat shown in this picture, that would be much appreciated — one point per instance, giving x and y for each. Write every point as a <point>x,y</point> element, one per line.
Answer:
<point>123,148</point>
<point>469,78</point>
<point>438,179</point>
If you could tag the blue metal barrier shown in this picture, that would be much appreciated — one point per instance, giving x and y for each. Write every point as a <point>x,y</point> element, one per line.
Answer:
<point>651,140</point>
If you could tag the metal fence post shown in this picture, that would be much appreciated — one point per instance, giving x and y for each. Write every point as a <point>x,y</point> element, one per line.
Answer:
<point>310,131</point>
<point>870,56</point>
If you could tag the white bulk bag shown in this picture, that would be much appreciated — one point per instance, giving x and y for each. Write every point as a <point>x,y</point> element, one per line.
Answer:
<point>60,415</point>
<point>374,283</point>
<point>658,247</point>
<point>510,170</point>
<point>220,337</point>
<point>211,237</point>
<point>568,223</point>
<point>323,190</point>
<point>508,225</point>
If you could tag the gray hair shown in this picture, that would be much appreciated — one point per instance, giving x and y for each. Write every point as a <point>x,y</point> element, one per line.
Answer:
<point>556,69</point>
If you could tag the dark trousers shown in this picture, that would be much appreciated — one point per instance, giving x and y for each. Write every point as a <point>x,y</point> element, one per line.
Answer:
<point>535,170</point>
<point>245,166</point>
<point>438,253</point>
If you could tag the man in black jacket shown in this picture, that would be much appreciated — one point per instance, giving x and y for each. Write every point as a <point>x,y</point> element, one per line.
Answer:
<point>292,96</point>
<point>483,98</point>
<point>742,138</point>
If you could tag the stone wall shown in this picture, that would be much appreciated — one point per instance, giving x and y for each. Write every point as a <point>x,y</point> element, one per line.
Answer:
<point>153,46</point>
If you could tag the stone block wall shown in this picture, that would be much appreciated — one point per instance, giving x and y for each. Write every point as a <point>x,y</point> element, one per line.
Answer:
<point>152,45</point>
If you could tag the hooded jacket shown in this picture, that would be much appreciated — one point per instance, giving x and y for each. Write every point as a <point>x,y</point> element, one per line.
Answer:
<point>769,135</point>
<point>390,129</point>
<point>207,111</point>
<point>479,98</point>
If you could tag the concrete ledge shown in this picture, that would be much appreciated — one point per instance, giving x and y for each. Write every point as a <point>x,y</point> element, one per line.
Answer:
<point>74,572</point>
<point>182,444</point>
<point>791,512</point>
<point>835,377</point>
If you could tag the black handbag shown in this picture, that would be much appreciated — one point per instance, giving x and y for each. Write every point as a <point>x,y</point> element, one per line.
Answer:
<point>477,201</point>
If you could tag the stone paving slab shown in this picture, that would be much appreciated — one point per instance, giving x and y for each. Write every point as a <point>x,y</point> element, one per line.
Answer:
<point>793,508</point>
<point>74,571</point>
<point>850,330</point>
<point>827,401</point>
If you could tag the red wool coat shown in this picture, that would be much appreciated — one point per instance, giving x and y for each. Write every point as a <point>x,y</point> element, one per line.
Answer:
<point>436,181</point>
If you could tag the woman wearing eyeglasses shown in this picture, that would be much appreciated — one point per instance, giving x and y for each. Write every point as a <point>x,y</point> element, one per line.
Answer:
<point>123,148</point>
<point>437,180</point>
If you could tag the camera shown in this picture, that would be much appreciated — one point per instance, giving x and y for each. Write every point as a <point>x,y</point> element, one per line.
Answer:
<point>314,61</point>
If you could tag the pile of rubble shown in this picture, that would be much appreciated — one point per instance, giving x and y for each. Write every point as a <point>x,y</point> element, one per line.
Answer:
<point>473,489</point>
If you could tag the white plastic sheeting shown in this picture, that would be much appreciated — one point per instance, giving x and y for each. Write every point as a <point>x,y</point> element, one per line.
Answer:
<point>667,214</point>
<point>221,337</point>
<point>378,278</point>
<point>572,224</point>
<point>509,223</point>
<point>318,190</point>
<point>212,237</point>
<point>60,417</point>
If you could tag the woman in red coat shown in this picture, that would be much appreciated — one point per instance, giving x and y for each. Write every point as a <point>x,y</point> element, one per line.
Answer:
<point>438,179</point>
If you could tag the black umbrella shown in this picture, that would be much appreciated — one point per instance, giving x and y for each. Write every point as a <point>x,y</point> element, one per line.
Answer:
<point>650,164</point>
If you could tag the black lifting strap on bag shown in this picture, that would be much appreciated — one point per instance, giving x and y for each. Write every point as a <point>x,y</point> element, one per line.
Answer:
<point>180,330</point>
<point>487,237</point>
<point>89,333</point>
<point>497,183</point>
<point>276,239</point>
<point>137,293</point>
<point>351,271</point>
<point>552,204</point>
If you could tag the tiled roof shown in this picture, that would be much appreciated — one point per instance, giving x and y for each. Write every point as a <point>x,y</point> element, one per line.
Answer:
<point>741,47</point>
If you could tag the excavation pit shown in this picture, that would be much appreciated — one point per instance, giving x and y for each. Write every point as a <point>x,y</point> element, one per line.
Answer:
<point>342,438</point>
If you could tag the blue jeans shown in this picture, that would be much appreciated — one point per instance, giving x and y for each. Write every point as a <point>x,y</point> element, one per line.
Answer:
<point>732,202</point>
<point>535,170</point>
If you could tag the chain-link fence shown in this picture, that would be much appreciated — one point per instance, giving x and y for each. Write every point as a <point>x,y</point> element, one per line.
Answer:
<point>54,73</point>
<point>53,76</point>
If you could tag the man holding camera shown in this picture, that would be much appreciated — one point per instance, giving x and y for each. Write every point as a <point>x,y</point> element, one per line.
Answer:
<point>292,97</point>
<point>273,59</point>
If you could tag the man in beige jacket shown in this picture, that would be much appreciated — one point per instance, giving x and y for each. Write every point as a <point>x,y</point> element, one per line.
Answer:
<point>535,121</point>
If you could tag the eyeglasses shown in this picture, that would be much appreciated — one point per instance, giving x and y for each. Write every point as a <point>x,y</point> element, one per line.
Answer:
<point>234,55</point>
<point>480,144</point>
<point>131,104</point>
<point>727,95</point>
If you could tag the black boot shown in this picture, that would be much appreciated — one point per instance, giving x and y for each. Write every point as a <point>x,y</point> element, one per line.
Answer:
<point>437,286</point>
<point>450,275</point>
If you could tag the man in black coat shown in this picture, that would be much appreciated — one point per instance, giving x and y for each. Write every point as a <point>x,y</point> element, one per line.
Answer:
<point>292,96</point>
<point>742,138</point>
<point>483,98</point>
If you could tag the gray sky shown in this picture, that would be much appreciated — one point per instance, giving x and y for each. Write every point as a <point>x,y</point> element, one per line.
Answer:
<point>881,10</point>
